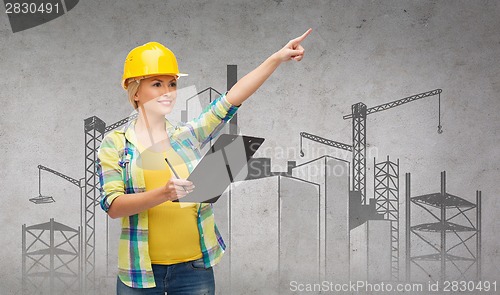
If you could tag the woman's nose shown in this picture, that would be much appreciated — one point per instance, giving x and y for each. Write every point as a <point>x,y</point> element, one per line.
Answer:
<point>168,92</point>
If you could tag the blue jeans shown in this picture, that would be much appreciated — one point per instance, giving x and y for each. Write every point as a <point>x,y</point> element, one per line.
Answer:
<point>185,278</point>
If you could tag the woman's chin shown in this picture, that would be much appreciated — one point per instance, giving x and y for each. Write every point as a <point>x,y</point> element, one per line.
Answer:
<point>165,110</point>
<point>160,110</point>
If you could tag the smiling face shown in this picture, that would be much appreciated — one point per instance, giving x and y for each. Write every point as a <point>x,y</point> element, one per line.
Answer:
<point>157,94</point>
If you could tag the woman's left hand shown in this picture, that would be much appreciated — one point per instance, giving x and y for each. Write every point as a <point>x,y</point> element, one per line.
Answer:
<point>293,49</point>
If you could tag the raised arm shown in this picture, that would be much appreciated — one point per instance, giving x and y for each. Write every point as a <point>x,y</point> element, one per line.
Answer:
<point>211,120</point>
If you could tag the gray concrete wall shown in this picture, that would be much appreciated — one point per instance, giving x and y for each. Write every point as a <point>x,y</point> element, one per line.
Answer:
<point>59,73</point>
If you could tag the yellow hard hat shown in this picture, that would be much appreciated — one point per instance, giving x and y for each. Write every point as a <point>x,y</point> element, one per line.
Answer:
<point>149,59</point>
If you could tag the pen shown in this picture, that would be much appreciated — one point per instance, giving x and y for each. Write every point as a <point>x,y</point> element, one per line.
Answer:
<point>175,173</point>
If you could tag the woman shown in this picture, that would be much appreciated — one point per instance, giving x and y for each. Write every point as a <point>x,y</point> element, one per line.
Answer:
<point>167,246</point>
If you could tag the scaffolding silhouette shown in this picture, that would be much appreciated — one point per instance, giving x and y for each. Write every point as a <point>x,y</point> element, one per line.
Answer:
<point>47,262</point>
<point>386,191</point>
<point>439,259</point>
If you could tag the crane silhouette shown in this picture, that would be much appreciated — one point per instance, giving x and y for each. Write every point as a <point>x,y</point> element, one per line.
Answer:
<point>359,210</point>
<point>41,199</point>
<point>359,111</point>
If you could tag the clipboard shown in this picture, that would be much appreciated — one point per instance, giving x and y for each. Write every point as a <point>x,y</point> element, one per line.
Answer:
<point>221,165</point>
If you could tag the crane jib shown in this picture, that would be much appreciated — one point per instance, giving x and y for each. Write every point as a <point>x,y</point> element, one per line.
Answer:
<point>398,102</point>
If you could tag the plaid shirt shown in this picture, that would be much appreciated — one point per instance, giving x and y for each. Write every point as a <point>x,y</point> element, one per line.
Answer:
<point>119,173</point>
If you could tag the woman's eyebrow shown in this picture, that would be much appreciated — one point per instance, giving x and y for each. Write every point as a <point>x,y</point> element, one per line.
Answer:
<point>162,80</point>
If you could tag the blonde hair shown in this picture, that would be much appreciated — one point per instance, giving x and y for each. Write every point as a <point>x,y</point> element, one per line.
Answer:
<point>132,89</point>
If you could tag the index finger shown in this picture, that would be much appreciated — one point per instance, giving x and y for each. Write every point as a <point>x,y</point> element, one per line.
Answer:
<point>301,38</point>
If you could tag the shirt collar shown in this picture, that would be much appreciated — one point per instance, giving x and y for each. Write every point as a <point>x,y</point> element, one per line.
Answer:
<point>129,130</point>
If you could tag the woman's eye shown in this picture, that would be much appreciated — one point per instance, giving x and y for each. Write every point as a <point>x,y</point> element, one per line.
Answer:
<point>157,83</point>
<point>173,84</point>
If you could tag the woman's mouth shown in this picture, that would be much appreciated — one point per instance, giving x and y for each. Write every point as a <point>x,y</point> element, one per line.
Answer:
<point>165,102</point>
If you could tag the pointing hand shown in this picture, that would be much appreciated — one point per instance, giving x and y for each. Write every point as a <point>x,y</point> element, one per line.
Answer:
<point>293,49</point>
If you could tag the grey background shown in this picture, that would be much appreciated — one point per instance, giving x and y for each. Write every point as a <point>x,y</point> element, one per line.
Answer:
<point>57,74</point>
